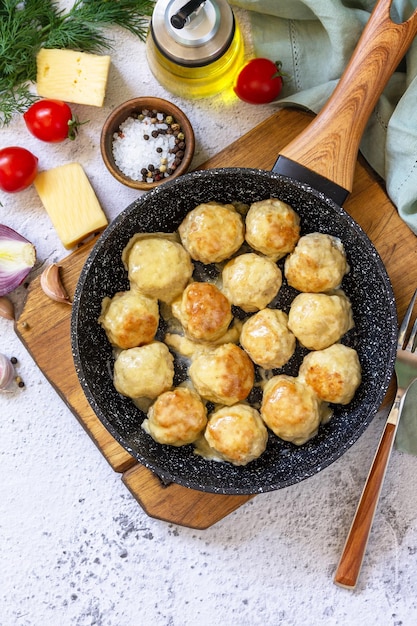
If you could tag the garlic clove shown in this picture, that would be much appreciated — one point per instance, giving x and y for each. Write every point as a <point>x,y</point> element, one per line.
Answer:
<point>52,286</point>
<point>6,308</point>
<point>7,373</point>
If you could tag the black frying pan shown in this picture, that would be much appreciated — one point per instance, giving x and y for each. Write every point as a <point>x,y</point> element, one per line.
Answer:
<point>313,174</point>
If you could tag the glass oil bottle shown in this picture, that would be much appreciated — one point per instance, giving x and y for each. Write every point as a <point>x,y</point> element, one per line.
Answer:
<point>194,49</point>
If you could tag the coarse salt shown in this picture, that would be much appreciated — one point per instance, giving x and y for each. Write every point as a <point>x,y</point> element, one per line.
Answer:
<point>134,148</point>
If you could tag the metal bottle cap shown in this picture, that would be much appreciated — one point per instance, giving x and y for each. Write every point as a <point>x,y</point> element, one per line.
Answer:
<point>193,33</point>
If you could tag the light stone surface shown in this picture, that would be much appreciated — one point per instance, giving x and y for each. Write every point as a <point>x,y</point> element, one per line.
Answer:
<point>78,550</point>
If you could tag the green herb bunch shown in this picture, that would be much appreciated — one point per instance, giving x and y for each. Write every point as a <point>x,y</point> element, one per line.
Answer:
<point>26,26</point>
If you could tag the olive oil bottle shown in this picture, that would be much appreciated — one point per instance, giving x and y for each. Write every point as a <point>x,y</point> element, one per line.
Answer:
<point>194,49</point>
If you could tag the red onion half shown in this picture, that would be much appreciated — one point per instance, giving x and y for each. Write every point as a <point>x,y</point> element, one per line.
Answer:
<point>17,257</point>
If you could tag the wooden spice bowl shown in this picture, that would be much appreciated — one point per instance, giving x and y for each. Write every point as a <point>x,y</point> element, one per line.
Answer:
<point>133,108</point>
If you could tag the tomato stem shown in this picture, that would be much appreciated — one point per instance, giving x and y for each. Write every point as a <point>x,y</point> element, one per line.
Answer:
<point>279,71</point>
<point>73,125</point>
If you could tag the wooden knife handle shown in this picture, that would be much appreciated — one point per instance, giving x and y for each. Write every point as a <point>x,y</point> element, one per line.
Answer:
<point>350,563</point>
<point>330,144</point>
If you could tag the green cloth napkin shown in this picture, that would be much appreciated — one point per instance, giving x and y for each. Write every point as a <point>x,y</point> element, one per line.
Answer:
<point>314,40</point>
<point>406,437</point>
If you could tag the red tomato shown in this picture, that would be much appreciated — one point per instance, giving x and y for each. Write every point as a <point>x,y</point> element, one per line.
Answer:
<point>18,168</point>
<point>260,81</point>
<point>51,120</point>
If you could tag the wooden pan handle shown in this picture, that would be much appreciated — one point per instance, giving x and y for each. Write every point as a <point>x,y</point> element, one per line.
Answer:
<point>330,144</point>
<point>350,563</point>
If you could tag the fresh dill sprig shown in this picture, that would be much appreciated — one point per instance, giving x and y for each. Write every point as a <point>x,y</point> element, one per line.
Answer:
<point>26,26</point>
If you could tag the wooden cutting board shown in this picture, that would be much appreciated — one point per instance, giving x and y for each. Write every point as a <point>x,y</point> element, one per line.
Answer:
<point>44,325</point>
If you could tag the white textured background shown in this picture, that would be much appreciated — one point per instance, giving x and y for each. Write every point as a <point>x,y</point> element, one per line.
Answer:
<point>76,548</point>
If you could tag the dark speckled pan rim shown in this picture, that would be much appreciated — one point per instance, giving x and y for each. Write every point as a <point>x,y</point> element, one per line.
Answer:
<point>375,335</point>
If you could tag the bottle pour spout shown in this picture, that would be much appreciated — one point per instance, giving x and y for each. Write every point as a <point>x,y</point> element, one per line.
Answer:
<point>179,19</point>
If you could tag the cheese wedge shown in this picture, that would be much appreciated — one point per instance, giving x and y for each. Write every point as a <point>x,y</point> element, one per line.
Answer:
<point>70,202</point>
<point>72,76</point>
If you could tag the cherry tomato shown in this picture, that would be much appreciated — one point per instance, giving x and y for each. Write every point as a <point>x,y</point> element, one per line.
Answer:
<point>259,81</point>
<point>18,168</point>
<point>51,120</point>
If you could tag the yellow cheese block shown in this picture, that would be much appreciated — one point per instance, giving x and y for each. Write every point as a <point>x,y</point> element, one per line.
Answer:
<point>70,202</point>
<point>72,76</point>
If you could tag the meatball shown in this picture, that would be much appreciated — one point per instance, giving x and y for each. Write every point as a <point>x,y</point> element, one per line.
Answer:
<point>272,228</point>
<point>291,409</point>
<point>237,434</point>
<point>204,312</point>
<point>334,373</point>
<point>267,339</point>
<point>251,281</point>
<point>158,267</point>
<point>129,319</point>
<point>144,372</point>
<point>224,375</point>
<point>318,319</point>
<point>176,418</point>
<point>212,232</point>
<point>317,264</point>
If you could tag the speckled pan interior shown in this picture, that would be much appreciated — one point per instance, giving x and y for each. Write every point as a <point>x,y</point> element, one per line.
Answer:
<point>374,335</point>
